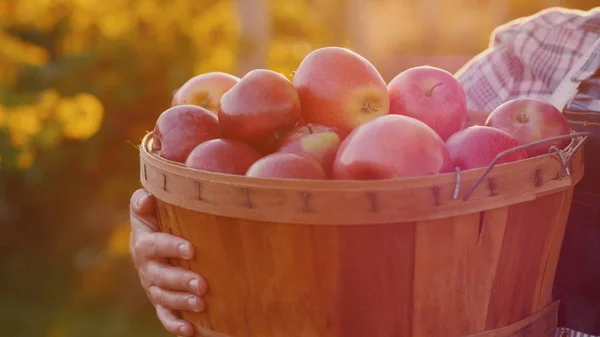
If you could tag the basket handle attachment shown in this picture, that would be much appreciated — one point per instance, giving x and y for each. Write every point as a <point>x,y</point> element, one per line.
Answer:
<point>565,161</point>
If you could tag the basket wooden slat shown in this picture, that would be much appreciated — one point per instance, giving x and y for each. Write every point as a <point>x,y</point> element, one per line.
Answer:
<point>469,274</point>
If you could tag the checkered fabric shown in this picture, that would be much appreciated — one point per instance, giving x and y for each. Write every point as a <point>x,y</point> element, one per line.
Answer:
<point>551,54</point>
<point>531,56</point>
<point>563,332</point>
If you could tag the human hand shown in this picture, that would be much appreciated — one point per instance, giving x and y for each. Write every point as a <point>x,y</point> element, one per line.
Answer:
<point>169,288</point>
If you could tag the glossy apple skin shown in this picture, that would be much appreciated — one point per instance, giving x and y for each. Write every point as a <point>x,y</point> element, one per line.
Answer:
<point>223,156</point>
<point>388,147</point>
<point>529,120</point>
<point>180,129</point>
<point>477,146</point>
<point>340,88</point>
<point>431,95</point>
<point>286,166</point>
<point>261,108</point>
<point>205,90</point>
<point>316,141</point>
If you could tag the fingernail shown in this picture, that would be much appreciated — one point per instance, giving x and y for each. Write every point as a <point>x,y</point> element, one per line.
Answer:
<point>141,199</point>
<point>183,329</point>
<point>193,303</point>
<point>184,250</point>
<point>195,287</point>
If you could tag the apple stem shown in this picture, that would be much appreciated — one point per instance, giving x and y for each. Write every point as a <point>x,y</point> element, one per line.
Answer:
<point>522,118</point>
<point>310,129</point>
<point>367,108</point>
<point>429,92</point>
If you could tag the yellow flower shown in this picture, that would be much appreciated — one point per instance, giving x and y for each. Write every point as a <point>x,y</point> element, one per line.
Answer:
<point>81,116</point>
<point>14,49</point>
<point>22,123</point>
<point>25,160</point>
<point>48,101</point>
<point>36,56</point>
<point>115,25</point>
<point>18,139</point>
<point>24,118</point>
<point>82,21</point>
<point>28,13</point>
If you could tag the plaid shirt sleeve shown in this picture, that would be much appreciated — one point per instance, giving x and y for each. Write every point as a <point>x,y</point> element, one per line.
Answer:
<point>529,57</point>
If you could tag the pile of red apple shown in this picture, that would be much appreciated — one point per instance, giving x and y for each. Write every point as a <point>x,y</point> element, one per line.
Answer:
<point>338,119</point>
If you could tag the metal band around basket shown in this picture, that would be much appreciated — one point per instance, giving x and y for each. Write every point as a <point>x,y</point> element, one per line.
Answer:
<point>352,202</point>
<point>540,324</point>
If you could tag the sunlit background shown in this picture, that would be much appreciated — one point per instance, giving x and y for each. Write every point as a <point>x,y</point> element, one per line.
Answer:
<point>81,81</point>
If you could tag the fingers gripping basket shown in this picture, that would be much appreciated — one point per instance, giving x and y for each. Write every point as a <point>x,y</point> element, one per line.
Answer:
<point>457,254</point>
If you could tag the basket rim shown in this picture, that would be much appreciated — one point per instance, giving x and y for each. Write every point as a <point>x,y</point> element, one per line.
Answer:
<point>329,184</point>
<point>355,202</point>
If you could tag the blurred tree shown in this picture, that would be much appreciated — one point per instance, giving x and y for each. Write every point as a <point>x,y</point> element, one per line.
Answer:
<point>255,33</point>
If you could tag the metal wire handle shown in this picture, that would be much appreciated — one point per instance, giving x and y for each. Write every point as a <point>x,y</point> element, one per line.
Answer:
<point>560,153</point>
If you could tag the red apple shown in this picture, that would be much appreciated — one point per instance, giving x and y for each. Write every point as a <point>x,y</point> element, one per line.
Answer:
<point>316,141</point>
<point>259,109</point>
<point>431,95</point>
<point>223,155</point>
<point>287,166</point>
<point>529,120</point>
<point>477,146</point>
<point>205,90</point>
<point>340,88</point>
<point>181,128</point>
<point>388,147</point>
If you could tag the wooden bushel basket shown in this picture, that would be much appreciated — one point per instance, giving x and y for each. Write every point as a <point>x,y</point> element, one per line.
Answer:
<point>469,253</point>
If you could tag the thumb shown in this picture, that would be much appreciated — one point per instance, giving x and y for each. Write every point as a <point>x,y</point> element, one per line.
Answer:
<point>143,212</point>
<point>142,203</point>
